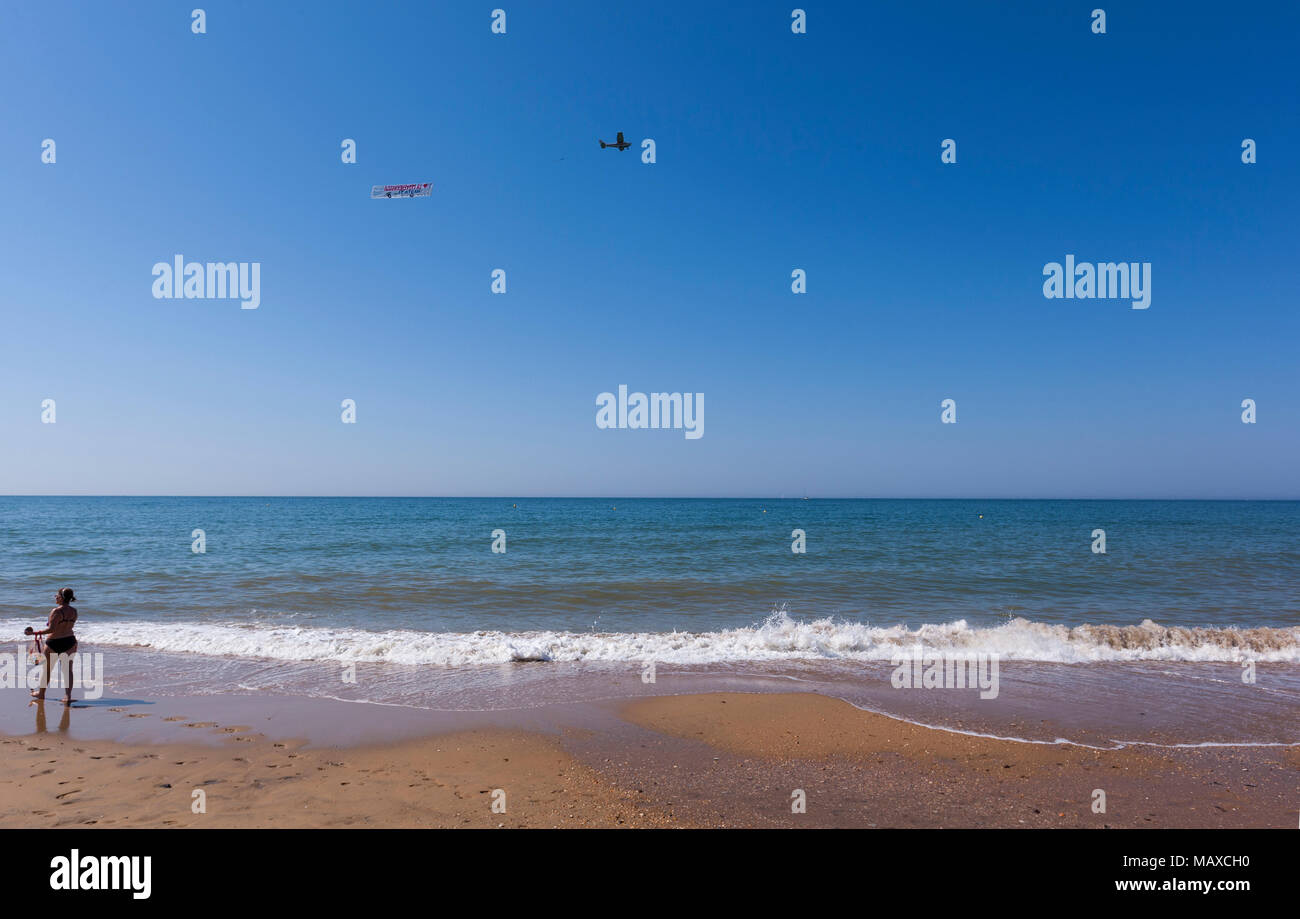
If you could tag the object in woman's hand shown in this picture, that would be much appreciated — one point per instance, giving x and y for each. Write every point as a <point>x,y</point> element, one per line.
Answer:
<point>28,630</point>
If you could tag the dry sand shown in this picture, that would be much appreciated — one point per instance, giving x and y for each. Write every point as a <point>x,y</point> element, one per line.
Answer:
<point>719,759</point>
<point>445,781</point>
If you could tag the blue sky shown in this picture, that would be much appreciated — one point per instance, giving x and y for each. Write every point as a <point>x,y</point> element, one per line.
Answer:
<point>775,151</point>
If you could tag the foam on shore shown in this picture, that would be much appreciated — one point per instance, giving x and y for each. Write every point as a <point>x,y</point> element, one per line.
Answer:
<point>779,637</point>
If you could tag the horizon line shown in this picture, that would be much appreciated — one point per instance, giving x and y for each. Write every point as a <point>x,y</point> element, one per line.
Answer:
<point>657,497</point>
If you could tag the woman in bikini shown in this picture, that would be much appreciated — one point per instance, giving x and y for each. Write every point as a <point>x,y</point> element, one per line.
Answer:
<point>59,640</point>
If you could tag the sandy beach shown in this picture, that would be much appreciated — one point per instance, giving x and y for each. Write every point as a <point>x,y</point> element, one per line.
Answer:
<point>705,760</point>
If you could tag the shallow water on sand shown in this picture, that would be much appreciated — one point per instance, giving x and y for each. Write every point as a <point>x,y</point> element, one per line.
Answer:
<point>1102,705</point>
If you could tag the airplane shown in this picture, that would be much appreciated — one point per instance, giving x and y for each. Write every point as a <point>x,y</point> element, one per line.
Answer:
<point>621,144</point>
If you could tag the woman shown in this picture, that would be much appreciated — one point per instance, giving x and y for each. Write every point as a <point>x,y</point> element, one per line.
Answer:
<point>59,640</point>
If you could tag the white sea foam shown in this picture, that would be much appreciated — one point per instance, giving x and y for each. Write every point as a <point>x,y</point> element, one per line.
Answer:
<point>779,637</point>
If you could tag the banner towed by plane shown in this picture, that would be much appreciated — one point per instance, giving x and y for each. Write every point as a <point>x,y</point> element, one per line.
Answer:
<point>421,190</point>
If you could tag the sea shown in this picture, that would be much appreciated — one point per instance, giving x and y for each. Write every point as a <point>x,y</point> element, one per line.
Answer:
<point>1184,630</point>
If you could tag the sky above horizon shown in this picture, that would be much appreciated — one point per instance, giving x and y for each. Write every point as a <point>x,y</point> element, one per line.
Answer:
<point>774,152</point>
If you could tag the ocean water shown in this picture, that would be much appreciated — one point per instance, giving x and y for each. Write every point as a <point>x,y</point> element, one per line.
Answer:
<point>290,588</point>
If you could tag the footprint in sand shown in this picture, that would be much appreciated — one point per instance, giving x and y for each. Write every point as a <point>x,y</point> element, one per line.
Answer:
<point>137,715</point>
<point>176,718</point>
<point>237,729</point>
<point>65,794</point>
<point>200,724</point>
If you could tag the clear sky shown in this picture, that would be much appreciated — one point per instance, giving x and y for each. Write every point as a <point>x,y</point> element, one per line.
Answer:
<point>775,151</point>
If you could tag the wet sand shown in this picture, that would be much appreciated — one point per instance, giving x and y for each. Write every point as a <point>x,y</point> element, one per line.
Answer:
<point>715,759</point>
<point>860,769</point>
<point>1099,704</point>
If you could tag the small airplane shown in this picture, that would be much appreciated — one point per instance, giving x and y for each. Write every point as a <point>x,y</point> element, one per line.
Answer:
<point>620,144</point>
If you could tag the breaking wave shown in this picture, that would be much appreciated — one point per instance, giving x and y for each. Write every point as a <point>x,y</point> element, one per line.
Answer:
<point>779,637</point>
